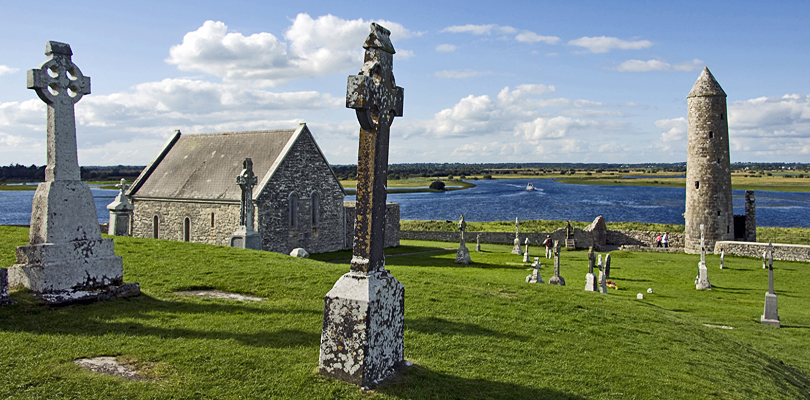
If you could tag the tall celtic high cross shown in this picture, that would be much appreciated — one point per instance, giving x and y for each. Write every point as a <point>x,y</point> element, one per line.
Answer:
<point>60,84</point>
<point>247,180</point>
<point>377,99</point>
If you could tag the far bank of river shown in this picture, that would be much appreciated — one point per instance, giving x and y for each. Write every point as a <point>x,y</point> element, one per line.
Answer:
<point>505,199</point>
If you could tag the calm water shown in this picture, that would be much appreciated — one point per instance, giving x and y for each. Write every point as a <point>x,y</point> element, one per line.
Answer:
<point>505,199</point>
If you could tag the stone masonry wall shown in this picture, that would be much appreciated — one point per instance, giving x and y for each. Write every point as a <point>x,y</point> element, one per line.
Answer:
<point>209,222</point>
<point>641,238</point>
<point>392,232</point>
<point>784,252</point>
<point>582,237</point>
<point>303,172</point>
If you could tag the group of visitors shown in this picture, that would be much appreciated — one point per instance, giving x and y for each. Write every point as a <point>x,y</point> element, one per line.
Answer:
<point>662,240</point>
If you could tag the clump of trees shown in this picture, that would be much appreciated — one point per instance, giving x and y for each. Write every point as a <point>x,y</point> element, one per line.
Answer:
<point>437,185</point>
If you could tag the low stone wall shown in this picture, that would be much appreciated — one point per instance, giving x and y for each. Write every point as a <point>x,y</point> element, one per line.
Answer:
<point>641,238</point>
<point>784,252</point>
<point>582,238</point>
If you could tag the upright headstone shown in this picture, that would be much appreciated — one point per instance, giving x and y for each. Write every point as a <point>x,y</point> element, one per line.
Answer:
<point>526,256</point>
<point>516,247</point>
<point>535,276</point>
<point>4,299</point>
<point>66,259</point>
<point>245,236</point>
<point>557,279</point>
<point>462,254</point>
<point>771,314</point>
<point>607,266</point>
<point>363,318</point>
<point>590,277</point>
<point>120,212</point>
<point>722,258</point>
<point>602,277</point>
<point>702,281</point>
<point>478,242</point>
<point>765,259</point>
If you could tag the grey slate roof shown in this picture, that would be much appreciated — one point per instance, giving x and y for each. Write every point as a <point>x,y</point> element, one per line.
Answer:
<point>205,166</point>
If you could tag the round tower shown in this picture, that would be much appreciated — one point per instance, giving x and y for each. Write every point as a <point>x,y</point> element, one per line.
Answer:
<point>708,166</point>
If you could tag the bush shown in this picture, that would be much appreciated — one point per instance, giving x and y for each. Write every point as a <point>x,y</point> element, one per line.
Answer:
<point>437,185</point>
<point>486,177</point>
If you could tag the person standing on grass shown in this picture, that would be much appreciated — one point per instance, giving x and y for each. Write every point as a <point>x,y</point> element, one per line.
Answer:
<point>665,240</point>
<point>658,240</point>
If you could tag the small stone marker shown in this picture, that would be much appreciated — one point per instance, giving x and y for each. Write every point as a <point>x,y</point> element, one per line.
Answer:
<point>771,314</point>
<point>4,299</point>
<point>299,252</point>
<point>722,258</point>
<point>602,277</point>
<point>245,237</point>
<point>702,281</point>
<point>607,266</point>
<point>535,276</point>
<point>462,254</point>
<point>66,259</point>
<point>364,313</point>
<point>640,296</point>
<point>120,212</point>
<point>557,279</point>
<point>108,366</point>
<point>478,242</point>
<point>526,256</point>
<point>764,259</point>
<point>516,248</point>
<point>590,277</point>
<point>219,294</point>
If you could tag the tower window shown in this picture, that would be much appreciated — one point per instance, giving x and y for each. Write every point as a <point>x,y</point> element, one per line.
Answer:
<point>718,213</point>
<point>721,117</point>
<point>697,184</point>
<point>212,220</point>
<point>728,229</point>
<point>711,134</point>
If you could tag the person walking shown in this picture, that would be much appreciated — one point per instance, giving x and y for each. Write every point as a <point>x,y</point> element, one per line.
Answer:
<point>658,240</point>
<point>548,243</point>
<point>665,240</point>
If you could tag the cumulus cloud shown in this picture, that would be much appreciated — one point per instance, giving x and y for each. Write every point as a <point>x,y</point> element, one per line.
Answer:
<point>674,129</point>
<point>659,65</point>
<point>771,117</point>
<point>604,44</point>
<point>480,29</point>
<point>531,37</point>
<point>453,74</point>
<point>7,70</point>
<point>445,48</point>
<point>310,48</point>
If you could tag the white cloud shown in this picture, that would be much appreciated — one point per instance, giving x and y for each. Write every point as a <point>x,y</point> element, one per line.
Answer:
<point>467,73</point>
<point>603,44</point>
<point>658,65</point>
<point>7,70</point>
<point>311,48</point>
<point>445,48</point>
<point>531,37</point>
<point>551,128</point>
<point>771,117</point>
<point>674,129</point>
<point>480,29</point>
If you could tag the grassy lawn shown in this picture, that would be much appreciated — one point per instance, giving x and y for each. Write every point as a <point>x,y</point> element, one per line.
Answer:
<point>474,332</point>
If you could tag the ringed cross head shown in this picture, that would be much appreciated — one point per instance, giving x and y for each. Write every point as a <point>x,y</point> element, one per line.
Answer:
<point>58,79</point>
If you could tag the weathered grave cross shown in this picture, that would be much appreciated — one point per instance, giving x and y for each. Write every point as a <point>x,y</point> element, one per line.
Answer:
<point>122,187</point>
<point>377,99</point>
<point>246,181</point>
<point>60,84</point>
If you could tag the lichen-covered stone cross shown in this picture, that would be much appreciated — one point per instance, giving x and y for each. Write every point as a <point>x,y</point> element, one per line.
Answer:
<point>247,180</point>
<point>376,99</point>
<point>60,84</point>
<point>122,186</point>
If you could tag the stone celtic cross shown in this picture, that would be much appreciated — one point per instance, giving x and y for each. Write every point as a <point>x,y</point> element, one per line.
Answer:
<point>462,226</point>
<point>247,180</point>
<point>60,84</point>
<point>376,99</point>
<point>770,267</point>
<point>702,245</point>
<point>122,187</point>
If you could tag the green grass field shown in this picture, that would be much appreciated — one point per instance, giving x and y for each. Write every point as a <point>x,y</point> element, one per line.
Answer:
<point>475,332</point>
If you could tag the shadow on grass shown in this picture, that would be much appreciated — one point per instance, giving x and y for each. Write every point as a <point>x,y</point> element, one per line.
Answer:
<point>788,378</point>
<point>142,316</point>
<point>433,325</point>
<point>732,290</point>
<point>417,382</point>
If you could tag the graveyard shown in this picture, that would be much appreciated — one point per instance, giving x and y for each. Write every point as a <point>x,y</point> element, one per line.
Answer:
<point>472,331</point>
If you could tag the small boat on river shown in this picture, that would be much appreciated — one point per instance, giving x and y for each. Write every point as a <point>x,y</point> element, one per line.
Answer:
<point>529,187</point>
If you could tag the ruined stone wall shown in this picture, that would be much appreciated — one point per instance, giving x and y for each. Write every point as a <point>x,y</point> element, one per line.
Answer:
<point>392,232</point>
<point>641,238</point>
<point>784,252</point>
<point>209,222</point>
<point>583,238</point>
<point>708,170</point>
<point>302,172</point>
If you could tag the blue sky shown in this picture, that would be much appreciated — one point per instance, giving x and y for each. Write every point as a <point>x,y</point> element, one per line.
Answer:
<point>484,81</point>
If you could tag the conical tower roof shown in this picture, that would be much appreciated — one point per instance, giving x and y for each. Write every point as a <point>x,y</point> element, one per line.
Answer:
<point>706,85</point>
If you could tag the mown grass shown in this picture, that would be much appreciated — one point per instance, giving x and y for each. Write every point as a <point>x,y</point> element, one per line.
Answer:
<point>474,332</point>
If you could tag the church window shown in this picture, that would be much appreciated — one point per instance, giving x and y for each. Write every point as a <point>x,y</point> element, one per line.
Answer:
<point>212,220</point>
<point>187,230</point>
<point>293,211</point>
<point>155,228</point>
<point>316,209</point>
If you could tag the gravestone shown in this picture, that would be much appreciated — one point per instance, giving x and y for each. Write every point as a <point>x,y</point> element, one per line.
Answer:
<point>702,281</point>
<point>607,266</point>
<point>590,277</point>
<point>764,259</point>
<point>120,212</point>
<point>722,258</point>
<point>526,256</point>
<point>245,237</point>
<point>516,247</point>
<point>363,317</point>
<point>602,277</point>
<point>535,276</point>
<point>478,242</point>
<point>66,259</point>
<point>771,314</point>
<point>557,279</point>
<point>4,299</point>
<point>462,254</point>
